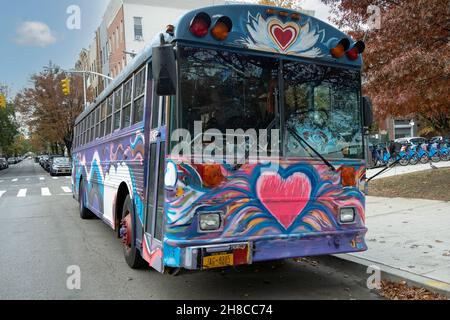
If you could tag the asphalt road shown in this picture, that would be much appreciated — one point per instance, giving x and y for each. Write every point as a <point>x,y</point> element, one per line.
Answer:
<point>42,235</point>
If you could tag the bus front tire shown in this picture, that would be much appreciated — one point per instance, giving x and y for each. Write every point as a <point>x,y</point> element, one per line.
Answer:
<point>131,253</point>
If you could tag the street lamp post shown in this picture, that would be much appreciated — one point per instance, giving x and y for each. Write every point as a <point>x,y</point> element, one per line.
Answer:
<point>84,72</point>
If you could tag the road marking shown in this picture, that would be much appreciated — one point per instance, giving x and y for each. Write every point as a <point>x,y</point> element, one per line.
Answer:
<point>22,193</point>
<point>2,193</point>
<point>68,177</point>
<point>55,178</point>
<point>42,178</point>
<point>66,189</point>
<point>45,192</point>
<point>14,180</point>
<point>27,179</point>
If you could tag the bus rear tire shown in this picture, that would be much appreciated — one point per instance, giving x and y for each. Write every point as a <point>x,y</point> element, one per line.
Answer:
<point>131,253</point>
<point>85,213</point>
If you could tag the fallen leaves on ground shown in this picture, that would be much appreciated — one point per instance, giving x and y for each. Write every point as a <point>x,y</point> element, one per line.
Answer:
<point>401,291</point>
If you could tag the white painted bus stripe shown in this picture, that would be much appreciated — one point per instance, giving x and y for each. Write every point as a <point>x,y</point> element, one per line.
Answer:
<point>22,193</point>
<point>45,192</point>
<point>2,193</point>
<point>66,189</point>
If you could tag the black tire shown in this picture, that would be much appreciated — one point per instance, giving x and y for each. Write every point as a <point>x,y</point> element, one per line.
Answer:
<point>414,159</point>
<point>131,253</point>
<point>424,159</point>
<point>404,161</point>
<point>85,213</point>
<point>435,158</point>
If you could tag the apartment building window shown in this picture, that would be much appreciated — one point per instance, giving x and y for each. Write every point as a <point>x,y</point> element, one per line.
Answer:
<point>138,33</point>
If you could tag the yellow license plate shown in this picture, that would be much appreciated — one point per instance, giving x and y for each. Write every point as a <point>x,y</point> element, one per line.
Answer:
<point>217,261</point>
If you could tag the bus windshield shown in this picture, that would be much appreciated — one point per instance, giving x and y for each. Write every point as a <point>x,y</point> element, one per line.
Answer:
<point>226,90</point>
<point>322,104</point>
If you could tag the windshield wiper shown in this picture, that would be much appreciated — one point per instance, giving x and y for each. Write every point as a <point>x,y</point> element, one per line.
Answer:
<point>303,141</point>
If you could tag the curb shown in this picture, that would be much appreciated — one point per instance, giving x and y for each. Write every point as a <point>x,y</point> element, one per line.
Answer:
<point>395,274</point>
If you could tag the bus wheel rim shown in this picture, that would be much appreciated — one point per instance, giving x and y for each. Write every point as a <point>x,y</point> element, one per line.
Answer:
<point>126,230</point>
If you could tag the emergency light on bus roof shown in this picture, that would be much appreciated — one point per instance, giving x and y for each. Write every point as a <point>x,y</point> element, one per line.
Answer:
<point>341,47</point>
<point>357,49</point>
<point>200,25</point>
<point>222,28</point>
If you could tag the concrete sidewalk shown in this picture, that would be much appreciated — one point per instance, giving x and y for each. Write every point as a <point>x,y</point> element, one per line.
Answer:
<point>410,239</point>
<point>398,169</point>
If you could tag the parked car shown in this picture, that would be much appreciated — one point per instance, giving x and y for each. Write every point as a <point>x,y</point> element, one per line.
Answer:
<point>60,165</point>
<point>48,163</point>
<point>412,140</point>
<point>42,160</point>
<point>3,164</point>
<point>12,160</point>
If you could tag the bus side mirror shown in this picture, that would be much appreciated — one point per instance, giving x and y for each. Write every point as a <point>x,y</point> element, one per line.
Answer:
<point>367,111</point>
<point>164,70</point>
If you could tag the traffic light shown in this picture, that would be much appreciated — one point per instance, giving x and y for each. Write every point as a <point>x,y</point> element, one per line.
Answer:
<point>2,101</point>
<point>65,85</point>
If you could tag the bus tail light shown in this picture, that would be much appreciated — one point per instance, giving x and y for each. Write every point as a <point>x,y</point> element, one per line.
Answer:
<point>348,176</point>
<point>357,49</point>
<point>222,28</point>
<point>200,25</point>
<point>339,50</point>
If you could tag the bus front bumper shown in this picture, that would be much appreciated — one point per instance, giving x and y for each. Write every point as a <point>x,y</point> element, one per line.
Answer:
<point>207,256</point>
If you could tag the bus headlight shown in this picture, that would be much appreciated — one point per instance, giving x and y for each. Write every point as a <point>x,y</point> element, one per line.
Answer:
<point>347,215</point>
<point>210,221</point>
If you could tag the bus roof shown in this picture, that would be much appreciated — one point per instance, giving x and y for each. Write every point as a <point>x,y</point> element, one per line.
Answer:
<point>273,30</point>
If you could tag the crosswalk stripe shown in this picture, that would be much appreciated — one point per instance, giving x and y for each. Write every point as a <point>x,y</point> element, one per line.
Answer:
<point>45,192</point>
<point>55,178</point>
<point>22,193</point>
<point>66,189</point>
<point>14,180</point>
<point>1,181</point>
<point>42,178</point>
<point>2,193</point>
<point>68,177</point>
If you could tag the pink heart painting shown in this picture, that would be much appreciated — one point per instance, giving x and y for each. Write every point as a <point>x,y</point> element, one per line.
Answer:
<point>285,199</point>
<point>284,35</point>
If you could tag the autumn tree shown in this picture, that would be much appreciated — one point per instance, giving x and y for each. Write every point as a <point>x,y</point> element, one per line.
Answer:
<point>406,59</point>
<point>8,123</point>
<point>50,114</point>
<point>291,4</point>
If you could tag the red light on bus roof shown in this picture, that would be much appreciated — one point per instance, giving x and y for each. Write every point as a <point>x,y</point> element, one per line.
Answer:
<point>341,47</point>
<point>222,28</point>
<point>271,11</point>
<point>200,25</point>
<point>357,49</point>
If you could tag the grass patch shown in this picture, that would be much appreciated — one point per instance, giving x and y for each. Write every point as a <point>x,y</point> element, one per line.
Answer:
<point>432,184</point>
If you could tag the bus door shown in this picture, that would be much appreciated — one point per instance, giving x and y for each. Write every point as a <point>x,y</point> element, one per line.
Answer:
<point>155,185</point>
